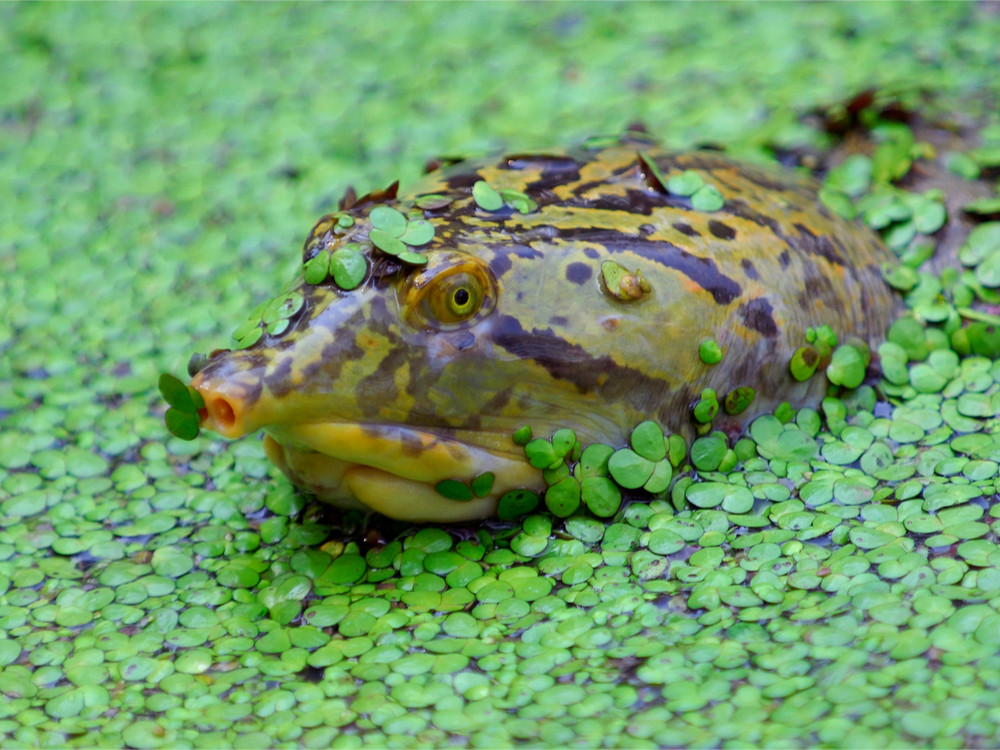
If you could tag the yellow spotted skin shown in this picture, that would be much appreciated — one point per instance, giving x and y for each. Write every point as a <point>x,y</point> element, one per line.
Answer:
<point>424,390</point>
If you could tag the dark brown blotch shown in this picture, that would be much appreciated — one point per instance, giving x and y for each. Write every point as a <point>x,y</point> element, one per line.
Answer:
<point>721,230</point>
<point>757,315</point>
<point>749,269</point>
<point>579,273</point>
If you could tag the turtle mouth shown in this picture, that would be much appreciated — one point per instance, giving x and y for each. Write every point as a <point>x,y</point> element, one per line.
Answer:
<point>391,469</point>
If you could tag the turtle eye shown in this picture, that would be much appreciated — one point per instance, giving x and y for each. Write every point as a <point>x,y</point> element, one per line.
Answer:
<point>451,295</point>
<point>455,298</point>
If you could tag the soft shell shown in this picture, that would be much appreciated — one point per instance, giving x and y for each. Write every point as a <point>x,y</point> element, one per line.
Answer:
<point>566,289</point>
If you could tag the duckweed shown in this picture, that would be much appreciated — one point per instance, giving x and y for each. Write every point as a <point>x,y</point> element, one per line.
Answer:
<point>710,352</point>
<point>162,593</point>
<point>486,197</point>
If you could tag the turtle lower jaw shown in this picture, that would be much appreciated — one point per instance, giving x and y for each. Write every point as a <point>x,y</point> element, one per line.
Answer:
<point>391,469</point>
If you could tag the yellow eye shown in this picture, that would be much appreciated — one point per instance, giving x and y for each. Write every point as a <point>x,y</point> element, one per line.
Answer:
<point>450,294</point>
<point>455,298</point>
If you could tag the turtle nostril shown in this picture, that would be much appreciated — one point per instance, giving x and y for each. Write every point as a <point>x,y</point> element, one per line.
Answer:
<point>223,413</point>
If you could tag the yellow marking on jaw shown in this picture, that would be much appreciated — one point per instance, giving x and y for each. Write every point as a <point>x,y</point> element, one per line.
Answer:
<point>392,470</point>
<point>430,461</point>
<point>407,501</point>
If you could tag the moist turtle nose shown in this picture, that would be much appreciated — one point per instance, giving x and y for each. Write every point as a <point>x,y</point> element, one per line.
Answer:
<point>224,412</point>
<point>221,411</point>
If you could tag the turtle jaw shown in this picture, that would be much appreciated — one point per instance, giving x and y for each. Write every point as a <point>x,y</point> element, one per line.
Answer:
<point>391,469</point>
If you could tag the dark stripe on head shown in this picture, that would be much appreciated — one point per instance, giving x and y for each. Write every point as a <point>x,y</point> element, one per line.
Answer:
<point>610,203</point>
<point>552,178</point>
<point>277,380</point>
<point>571,362</point>
<point>757,315</point>
<point>687,229</point>
<point>702,271</point>
<point>462,180</point>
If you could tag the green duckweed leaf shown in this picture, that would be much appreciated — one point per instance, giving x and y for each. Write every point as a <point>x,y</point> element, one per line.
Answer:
<point>900,276</point>
<point>348,268</point>
<point>278,327</point>
<point>541,454</point>
<point>522,435</point>
<point>482,484</point>
<point>710,352</point>
<point>414,259</point>
<point>563,441</point>
<point>519,201</point>
<point>316,269</point>
<point>246,328</point>
<point>985,206</point>
<point>804,362</point>
<point>929,216</point>
<point>601,496</point>
<point>911,335</point>
<point>516,503</point>
<point>182,424</point>
<point>251,337</point>
<point>738,400</point>
<point>853,176</point>
<point>659,480</point>
<point>622,283</point>
<point>594,460</point>
<point>418,232</point>
<point>707,452</point>
<point>685,184</point>
<point>707,198</point>
<point>847,367</point>
<point>629,469</point>
<point>648,441</point>
<point>433,201</point>
<point>282,307</point>
<point>388,220</point>
<point>961,164</point>
<point>386,242</point>
<point>837,202</point>
<point>180,395</point>
<point>454,490</point>
<point>563,497</point>
<point>982,242</point>
<point>486,197</point>
<point>707,407</point>
<point>988,271</point>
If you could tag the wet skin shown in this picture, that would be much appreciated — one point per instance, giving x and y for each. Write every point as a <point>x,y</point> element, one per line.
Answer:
<point>422,373</point>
